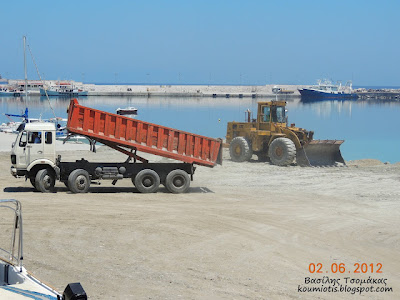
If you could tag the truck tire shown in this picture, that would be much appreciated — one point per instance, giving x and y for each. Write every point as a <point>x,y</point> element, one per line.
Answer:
<point>240,149</point>
<point>177,181</point>
<point>45,181</point>
<point>79,181</point>
<point>32,181</point>
<point>282,151</point>
<point>147,181</point>
<point>66,184</point>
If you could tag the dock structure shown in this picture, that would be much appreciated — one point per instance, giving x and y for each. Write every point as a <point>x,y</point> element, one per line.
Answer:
<point>215,91</point>
<point>379,94</point>
<point>282,91</point>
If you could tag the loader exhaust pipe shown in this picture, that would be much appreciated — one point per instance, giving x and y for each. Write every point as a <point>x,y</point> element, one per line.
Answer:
<point>320,153</point>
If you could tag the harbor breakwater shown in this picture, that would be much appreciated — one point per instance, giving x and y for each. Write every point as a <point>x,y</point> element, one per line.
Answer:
<point>215,91</point>
<point>152,90</point>
<point>225,91</point>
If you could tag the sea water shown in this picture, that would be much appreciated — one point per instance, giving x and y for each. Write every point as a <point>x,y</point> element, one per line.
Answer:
<point>370,128</point>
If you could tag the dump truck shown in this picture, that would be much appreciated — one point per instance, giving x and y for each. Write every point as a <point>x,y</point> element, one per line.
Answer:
<point>34,155</point>
<point>270,137</point>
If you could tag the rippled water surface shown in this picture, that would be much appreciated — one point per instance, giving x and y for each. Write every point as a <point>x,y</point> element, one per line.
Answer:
<point>371,129</point>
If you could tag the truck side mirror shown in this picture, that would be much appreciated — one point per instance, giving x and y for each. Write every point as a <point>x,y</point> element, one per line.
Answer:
<point>22,140</point>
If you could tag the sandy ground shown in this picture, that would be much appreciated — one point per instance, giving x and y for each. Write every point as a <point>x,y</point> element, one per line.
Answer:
<point>244,231</point>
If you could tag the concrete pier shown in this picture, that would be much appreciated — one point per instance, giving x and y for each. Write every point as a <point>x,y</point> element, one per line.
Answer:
<point>216,91</point>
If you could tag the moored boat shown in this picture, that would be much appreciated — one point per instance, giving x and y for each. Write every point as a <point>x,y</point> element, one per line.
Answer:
<point>4,92</point>
<point>326,90</point>
<point>127,111</point>
<point>63,89</point>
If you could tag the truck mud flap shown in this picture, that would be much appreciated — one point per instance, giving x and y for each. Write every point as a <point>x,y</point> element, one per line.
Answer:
<point>321,153</point>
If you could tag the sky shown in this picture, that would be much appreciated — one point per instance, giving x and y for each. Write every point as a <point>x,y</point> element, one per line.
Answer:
<point>203,42</point>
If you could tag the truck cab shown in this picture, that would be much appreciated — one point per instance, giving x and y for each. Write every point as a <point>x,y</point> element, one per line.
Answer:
<point>33,147</point>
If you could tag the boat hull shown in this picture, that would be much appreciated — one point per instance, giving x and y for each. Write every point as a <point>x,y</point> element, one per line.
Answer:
<point>123,112</point>
<point>314,94</point>
<point>63,94</point>
<point>10,94</point>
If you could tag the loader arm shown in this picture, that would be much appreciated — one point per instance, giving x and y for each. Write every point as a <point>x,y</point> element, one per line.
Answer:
<point>286,132</point>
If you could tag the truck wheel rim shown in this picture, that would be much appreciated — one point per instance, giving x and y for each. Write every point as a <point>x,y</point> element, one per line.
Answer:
<point>178,181</point>
<point>81,182</point>
<point>47,182</point>
<point>148,181</point>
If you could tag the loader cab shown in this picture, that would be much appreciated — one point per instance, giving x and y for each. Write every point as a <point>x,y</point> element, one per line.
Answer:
<point>269,113</point>
<point>36,141</point>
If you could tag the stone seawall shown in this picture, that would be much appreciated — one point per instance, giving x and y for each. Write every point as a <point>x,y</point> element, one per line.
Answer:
<point>191,90</point>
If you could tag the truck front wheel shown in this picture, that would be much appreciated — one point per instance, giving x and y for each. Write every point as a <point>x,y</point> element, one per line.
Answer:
<point>45,181</point>
<point>79,181</point>
<point>177,181</point>
<point>147,181</point>
<point>32,181</point>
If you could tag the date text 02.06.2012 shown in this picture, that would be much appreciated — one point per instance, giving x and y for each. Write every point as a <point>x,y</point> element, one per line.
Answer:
<point>341,268</point>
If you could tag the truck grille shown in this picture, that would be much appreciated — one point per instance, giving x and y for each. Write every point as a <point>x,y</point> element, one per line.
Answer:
<point>13,159</point>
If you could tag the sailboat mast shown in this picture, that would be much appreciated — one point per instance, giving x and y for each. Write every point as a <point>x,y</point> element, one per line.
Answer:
<point>26,75</point>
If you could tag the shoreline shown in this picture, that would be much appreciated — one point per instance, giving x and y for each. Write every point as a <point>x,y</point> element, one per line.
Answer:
<point>9,138</point>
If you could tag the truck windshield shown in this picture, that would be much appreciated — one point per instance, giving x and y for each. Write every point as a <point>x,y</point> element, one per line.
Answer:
<point>278,114</point>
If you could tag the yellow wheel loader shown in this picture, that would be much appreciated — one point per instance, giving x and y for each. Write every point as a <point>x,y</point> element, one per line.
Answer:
<point>271,138</point>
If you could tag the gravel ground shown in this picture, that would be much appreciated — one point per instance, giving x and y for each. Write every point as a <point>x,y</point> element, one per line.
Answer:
<point>243,231</point>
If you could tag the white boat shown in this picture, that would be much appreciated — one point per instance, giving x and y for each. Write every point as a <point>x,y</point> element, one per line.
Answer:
<point>4,92</point>
<point>127,111</point>
<point>63,89</point>
<point>10,127</point>
<point>16,283</point>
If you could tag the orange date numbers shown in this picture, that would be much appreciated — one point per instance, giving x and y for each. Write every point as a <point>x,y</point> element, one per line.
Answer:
<point>334,268</point>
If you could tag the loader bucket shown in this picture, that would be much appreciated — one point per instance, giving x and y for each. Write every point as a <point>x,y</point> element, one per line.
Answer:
<point>320,153</point>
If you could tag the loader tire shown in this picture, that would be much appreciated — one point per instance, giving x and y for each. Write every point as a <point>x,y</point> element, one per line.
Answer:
<point>45,181</point>
<point>240,149</point>
<point>282,151</point>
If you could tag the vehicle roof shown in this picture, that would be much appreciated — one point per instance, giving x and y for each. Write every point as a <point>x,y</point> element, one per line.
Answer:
<point>272,103</point>
<point>40,126</point>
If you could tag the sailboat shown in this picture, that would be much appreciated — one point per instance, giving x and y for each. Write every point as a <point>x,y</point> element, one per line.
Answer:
<point>60,128</point>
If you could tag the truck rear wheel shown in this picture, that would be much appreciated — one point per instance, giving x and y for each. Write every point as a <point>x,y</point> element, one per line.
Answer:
<point>177,181</point>
<point>79,181</point>
<point>282,151</point>
<point>147,181</point>
<point>240,149</point>
<point>45,181</point>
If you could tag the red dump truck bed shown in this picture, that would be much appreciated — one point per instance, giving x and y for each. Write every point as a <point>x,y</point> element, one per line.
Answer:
<point>119,131</point>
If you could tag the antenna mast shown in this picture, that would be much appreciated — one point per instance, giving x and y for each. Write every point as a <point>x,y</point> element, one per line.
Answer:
<point>26,75</point>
